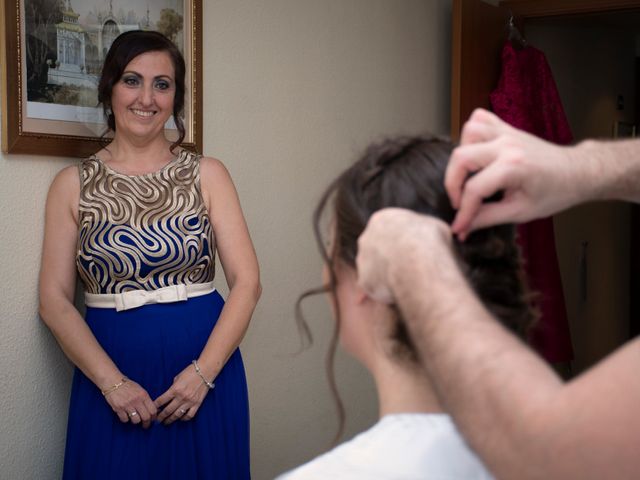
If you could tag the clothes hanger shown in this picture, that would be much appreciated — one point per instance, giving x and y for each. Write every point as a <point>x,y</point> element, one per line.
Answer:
<point>514,35</point>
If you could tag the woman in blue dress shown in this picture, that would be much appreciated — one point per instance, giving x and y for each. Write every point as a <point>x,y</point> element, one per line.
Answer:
<point>159,390</point>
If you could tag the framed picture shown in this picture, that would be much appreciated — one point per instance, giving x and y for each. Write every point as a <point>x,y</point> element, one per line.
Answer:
<point>52,53</point>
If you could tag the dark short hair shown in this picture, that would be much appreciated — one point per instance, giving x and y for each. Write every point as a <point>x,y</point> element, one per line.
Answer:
<point>125,48</point>
<point>408,172</point>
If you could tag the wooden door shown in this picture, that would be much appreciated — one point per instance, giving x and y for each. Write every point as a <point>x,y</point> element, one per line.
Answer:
<point>479,30</point>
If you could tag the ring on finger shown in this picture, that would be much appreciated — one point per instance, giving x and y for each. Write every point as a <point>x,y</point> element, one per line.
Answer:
<point>182,411</point>
<point>132,414</point>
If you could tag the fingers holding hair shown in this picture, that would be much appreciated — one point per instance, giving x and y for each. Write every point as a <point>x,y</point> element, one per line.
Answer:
<point>465,161</point>
<point>474,213</point>
<point>480,145</point>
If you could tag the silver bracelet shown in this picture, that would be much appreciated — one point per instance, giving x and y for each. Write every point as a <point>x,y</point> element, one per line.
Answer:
<point>209,384</point>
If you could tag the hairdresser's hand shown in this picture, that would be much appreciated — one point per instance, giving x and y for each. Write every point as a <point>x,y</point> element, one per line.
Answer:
<point>183,399</point>
<point>132,404</point>
<point>398,244</point>
<point>535,176</point>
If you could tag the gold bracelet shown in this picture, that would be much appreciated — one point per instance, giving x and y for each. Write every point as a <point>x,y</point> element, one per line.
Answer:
<point>114,387</point>
<point>210,385</point>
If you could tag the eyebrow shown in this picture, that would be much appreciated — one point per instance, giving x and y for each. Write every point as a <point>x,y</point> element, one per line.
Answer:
<point>133,72</point>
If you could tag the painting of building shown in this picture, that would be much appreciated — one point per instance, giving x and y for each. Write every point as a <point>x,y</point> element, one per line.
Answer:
<point>67,43</point>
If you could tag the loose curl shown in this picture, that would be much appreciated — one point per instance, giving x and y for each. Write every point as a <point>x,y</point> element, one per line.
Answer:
<point>408,172</point>
<point>125,48</point>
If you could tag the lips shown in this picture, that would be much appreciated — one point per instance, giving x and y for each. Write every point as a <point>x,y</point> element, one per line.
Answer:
<point>143,113</point>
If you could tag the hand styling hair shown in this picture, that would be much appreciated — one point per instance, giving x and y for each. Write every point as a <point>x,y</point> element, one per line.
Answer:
<point>408,172</point>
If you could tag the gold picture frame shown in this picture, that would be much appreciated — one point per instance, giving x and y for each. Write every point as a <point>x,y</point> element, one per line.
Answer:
<point>54,121</point>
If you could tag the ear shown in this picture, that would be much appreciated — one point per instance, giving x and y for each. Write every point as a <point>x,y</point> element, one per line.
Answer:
<point>361,296</point>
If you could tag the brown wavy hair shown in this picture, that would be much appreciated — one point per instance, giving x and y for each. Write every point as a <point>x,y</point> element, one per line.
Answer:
<point>125,48</point>
<point>408,172</point>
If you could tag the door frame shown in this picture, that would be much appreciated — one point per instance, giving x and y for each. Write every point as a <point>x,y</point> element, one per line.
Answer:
<point>550,8</point>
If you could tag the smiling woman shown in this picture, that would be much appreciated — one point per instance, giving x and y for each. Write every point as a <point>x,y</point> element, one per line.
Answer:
<point>140,221</point>
<point>143,99</point>
<point>138,76</point>
<point>53,51</point>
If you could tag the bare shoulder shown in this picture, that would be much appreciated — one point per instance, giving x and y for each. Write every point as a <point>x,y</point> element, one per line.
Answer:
<point>218,189</point>
<point>214,176</point>
<point>66,181</point>
<point>617,375</point>
<point>626,361</point>
<point>65,190</point>
<point>213,172</point>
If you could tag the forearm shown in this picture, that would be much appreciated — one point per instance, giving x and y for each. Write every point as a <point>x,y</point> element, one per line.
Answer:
<point>230,328</point>
<point>464,352</point>
<point>78,343</point>
<point>607,170</point>
<point>514,411</point>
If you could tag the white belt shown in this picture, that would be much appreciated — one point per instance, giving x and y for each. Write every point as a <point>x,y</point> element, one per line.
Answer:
<point>137,298</point>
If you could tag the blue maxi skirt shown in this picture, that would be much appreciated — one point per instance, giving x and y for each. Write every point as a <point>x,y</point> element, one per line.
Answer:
<point>151,345</point>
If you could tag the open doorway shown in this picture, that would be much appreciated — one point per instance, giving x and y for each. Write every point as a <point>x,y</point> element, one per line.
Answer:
<point>592,49</point>
<point>593,59</point>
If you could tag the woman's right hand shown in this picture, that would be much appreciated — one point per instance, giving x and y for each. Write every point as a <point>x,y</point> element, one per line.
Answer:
<point>132,403</point>
<point>57,289</point>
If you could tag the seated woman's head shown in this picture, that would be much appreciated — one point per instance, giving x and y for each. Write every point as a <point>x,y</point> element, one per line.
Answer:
<point>407,172</point>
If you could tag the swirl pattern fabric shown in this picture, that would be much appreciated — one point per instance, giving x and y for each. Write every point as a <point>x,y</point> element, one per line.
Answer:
<point>143,232</point>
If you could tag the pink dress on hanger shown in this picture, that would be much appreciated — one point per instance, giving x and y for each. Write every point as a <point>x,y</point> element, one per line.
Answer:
<point>527,98</point>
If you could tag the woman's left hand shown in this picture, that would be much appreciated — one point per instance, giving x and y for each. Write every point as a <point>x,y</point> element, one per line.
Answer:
<point>183,399</point>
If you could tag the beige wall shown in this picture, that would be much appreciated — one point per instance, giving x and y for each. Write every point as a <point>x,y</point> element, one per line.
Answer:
<point>293,89</point>
<point>592,64</point>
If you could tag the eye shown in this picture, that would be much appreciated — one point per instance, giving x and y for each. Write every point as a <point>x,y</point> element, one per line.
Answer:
<point>161,84</point>
<point>130,80</point>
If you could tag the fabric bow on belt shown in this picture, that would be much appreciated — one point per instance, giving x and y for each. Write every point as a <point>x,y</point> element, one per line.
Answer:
<point>137,298</point>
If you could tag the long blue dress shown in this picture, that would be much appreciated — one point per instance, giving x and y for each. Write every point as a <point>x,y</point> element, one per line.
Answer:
<point>147,232</point>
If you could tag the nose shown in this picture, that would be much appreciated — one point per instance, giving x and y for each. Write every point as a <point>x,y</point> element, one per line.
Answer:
<point>146,95</point>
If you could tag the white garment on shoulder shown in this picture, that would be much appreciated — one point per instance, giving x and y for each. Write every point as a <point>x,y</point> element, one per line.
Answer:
<point>413,446</point>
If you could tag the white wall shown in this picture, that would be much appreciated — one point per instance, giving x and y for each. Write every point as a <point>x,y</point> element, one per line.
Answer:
<point>293,89</point>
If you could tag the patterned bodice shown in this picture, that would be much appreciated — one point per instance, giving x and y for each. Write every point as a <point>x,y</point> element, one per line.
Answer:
<point>143,232</point>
